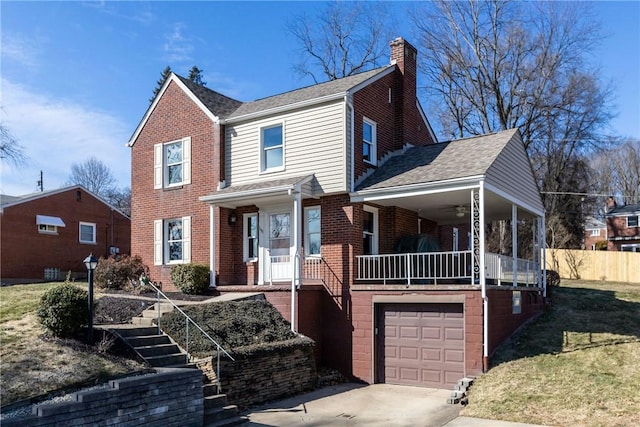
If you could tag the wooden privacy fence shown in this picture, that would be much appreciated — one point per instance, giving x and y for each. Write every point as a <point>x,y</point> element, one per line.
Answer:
<point>595,265</point>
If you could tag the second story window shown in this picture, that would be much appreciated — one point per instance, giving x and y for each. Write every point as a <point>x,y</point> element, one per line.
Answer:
<point>272,148</point>
<point>632,221</point>
<point>172,163</point>
<point>369,141</point>
<point>595,232</point>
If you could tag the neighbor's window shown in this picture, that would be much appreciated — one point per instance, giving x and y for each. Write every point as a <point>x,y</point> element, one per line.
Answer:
<point>595,232</point>
<point>370,231</point>
<point>46,228</point>
<point>87,232</point>
<point>172,163</point>
<point>632,221</point>
<point>48,224</point>
<point>172,241</point>
<point>369,141</point>
<point>272,148</point>
<point>250,232</point>
<point>312,231</point>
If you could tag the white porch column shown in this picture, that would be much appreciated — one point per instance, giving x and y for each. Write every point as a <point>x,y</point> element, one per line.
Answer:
<point>543,248</point>
<point>483,280</point>
<point>212,246</point>
<point>295,251</point>
<point>514,243</point>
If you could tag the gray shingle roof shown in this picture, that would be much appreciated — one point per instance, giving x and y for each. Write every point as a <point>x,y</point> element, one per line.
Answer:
<point>437,162</point>
<point>306,93</point>
<point>220,105</point>
<point>623,210</point>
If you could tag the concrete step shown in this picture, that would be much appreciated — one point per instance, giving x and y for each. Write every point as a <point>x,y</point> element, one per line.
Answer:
<point>137,331</point>
<point>157,350</point>
<point>143,321</point>
<point>210,389</point>
<point>178,359</point>
<point>148,340</point>
<point>153,314</point>
<point>215,401</point>
<point>222,413</point>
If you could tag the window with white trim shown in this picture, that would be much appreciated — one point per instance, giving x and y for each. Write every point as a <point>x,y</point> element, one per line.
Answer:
<point>87,232</point>
<point>632,221</point>
<point>272,148</point>
<point>595,232</point>
<point>369,230</point>
<point>250,233</point>
<point>312,238</point>
<point>172,241</point>
<point>369,141</point>
<point>47,229</point>
<point>630,248</point>
<point>172,163</point>
<point>48,224</point>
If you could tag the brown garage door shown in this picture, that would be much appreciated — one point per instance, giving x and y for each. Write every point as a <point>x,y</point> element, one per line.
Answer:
<point>421,344</point>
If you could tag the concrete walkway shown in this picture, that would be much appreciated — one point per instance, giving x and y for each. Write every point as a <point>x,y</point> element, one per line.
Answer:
<point>368,405</point>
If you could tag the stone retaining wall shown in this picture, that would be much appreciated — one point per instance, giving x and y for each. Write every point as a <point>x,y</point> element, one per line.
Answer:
<point>169,397</point>
<point>265,374</point>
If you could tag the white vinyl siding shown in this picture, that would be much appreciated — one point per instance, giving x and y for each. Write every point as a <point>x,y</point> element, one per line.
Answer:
<point>161,167</point>
<point>314,143</point>
<point>162,241</point>
<point>513,161</point>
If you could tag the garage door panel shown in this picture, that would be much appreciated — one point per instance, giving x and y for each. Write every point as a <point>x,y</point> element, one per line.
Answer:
<point>423,344</point>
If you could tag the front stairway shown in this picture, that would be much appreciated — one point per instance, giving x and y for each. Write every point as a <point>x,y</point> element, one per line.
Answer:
<point>159,350</point>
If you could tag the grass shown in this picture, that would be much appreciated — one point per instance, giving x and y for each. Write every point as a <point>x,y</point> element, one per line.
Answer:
<point>35,364</point>
<point>577,365</point>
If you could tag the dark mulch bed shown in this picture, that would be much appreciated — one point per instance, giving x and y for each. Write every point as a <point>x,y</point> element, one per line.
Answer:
<point>109,309</point>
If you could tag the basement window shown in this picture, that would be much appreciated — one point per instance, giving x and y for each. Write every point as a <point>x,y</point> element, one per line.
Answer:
<point>517,302</point>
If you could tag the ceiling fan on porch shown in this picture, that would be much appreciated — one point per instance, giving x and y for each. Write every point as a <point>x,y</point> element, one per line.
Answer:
<point>461,210</point>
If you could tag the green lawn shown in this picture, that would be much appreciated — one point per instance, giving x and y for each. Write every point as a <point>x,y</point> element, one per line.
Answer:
<point>577,365</point>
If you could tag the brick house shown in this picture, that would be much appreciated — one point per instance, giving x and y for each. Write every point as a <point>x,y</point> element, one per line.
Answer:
<point>47,234</point>
<point>623,229</point>
<point>594,231</point>
<point>338,203</point>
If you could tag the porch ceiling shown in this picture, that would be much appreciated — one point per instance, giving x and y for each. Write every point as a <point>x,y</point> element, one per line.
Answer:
<point>441,207</point>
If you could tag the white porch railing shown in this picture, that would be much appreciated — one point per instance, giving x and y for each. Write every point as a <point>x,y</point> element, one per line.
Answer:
<point>281,268</point>
<point>430,267</point>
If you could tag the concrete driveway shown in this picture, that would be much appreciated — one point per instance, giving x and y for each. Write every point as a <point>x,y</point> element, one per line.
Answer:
<point>367,405</point>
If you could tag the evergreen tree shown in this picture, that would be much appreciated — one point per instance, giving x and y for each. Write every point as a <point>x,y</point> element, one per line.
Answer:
<point>195,75</point>
<point>163,77</point>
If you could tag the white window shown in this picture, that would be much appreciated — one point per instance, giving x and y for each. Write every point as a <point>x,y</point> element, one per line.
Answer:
<point>48,224</point>
<point>370,231</point>
<point>87,232</point>
<point>271,148</point>
<point>172,241</point>
<point>172,163</point>
<point>595,232</point>
<point>632,221</point>
<point>250,233</point>
<point>630,248</point>
<point>369,141</point>
<point>312,231</point>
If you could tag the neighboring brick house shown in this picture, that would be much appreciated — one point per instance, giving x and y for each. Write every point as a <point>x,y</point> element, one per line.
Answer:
<point>47,234</point>
<point>594,231</point>
<point>623,229</point>
<point>338,203</point>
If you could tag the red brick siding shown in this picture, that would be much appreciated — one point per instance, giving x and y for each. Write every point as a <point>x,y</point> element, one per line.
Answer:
<point>590,241</point>
<point>502,321</point>
<point>26,252</point>
<point>617,227</point>
<point>175,116</point>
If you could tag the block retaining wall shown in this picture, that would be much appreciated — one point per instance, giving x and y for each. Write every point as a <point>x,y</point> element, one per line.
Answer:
<point>169,397</point>
<point>266,374</point>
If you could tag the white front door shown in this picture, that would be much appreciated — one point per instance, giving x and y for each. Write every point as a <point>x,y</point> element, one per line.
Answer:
<point>277,265</point>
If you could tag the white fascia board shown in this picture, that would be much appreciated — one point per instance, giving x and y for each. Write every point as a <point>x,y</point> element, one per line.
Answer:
<point>421,189</point>
<point>220,198</point>
<point>514,200</point>
<point>181,85</point>
<point>371,79</point>
<point>283,108</point>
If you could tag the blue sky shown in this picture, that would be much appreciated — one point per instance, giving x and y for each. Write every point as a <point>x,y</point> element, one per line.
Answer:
<point>76,77</point>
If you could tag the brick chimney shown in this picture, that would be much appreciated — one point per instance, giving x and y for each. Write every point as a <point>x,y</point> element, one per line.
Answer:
<point>610,204</point>
<point>404,56</point>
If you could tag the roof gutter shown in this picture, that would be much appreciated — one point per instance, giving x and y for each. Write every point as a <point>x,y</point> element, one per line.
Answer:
<point>417,189</point>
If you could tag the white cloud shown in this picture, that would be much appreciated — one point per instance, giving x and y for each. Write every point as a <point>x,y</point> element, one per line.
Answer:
<point>55,134</point>
<point>177,48</point>
<point>24,51</point>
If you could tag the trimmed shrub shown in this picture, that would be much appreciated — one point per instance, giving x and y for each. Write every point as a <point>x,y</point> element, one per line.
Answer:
<point>553,278</point>
<point>191,278</point>
<point>119,273</point>
<point>602,245</point>
<point>63,310</point>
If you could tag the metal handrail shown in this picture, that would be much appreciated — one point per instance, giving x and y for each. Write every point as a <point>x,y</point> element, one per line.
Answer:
<point>145,281</point>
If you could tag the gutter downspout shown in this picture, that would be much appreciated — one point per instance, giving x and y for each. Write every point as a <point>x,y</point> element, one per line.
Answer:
<point>212,247</point>
<point>295,279</point>
<point>483,284</point>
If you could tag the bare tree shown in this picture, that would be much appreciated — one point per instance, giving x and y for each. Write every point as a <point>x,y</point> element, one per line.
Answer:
<point>93,175</point>
<point>10,149</point>
<point>345,38</point>
<point>121,199</point>
<point>496,65</point>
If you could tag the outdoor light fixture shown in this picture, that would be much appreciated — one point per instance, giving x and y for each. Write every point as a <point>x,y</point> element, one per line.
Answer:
<point>460,211</point>
<point>91,263</point>
<point>232,218</point>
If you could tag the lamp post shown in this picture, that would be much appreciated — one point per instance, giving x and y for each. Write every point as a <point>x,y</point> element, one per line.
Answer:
<point>90,262</point>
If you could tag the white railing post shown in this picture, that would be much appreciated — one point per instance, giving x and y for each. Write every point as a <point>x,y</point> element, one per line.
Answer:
<point>408,266</point>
